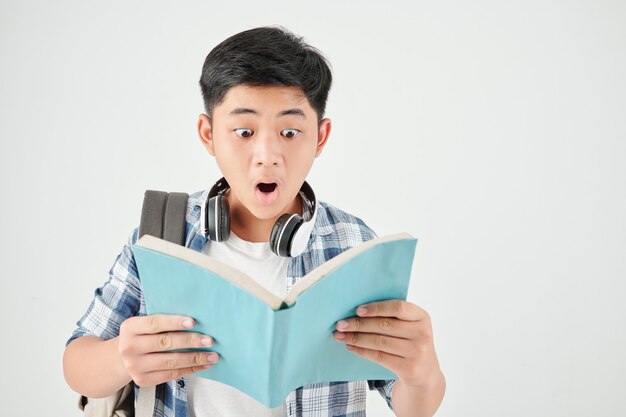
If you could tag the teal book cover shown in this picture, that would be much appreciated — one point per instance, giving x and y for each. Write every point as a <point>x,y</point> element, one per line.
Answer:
<point>270,346</point>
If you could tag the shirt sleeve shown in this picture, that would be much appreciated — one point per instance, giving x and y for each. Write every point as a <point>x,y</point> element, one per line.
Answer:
<point>385,387</point>
<point>115,301</point>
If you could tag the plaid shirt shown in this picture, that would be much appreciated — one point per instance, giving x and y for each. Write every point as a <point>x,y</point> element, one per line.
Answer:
<point>121,297</point>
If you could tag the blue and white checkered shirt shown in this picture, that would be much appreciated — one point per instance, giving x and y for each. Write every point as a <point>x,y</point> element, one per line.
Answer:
<point>121,297</point>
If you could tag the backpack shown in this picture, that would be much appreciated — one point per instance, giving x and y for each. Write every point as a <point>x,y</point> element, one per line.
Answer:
<point>163,216</point>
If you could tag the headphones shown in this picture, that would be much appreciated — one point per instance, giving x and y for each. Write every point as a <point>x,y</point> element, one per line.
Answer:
<point>290,233</point>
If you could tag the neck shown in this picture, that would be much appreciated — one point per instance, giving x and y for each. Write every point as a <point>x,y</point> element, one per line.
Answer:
<point>249,227</point>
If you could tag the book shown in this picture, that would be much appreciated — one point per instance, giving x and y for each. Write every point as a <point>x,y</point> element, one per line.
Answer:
<point>269,346</point>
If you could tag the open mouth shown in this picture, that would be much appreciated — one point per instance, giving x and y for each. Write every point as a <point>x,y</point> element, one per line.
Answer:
<point>266,188</point>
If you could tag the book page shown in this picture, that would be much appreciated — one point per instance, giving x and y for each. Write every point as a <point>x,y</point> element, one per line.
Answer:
<point>327,267</point>
<point>226,272</point>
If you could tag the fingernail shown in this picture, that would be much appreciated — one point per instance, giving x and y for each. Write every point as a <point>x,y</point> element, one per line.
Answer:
<point>361,311</point>
<point>339,335</point>
<point>187,323</point>
<point>212,357</point>
<point>206,341</point>
<point>342,324</point>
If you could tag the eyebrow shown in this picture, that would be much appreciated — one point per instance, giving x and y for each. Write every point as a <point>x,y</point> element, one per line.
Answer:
<point>289,112</point>
<point>292,112</point>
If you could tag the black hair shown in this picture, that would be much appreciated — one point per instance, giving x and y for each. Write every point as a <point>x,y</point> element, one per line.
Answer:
<point>265,56</point>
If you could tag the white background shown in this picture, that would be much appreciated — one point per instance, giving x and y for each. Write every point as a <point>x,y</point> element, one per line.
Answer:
<point>492,131</point>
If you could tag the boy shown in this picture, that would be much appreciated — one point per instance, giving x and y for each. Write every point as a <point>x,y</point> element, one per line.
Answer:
<point>264,92</point>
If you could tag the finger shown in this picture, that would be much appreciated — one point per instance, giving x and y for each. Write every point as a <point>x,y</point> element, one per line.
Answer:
<point>170,341</point>
<point>170,361</point>
<point>151,379</point>
<point>157,323</point>
<point>389,326</point>
<point>393,308</point>
<point>392,345</point>
<point>392,362</point>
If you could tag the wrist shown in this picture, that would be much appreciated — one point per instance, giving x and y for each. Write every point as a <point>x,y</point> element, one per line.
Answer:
<point>419,400</point>
<point>425,383</point>
<point>122,377</point>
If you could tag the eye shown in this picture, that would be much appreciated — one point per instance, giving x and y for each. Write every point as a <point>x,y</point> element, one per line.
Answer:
<point>244,132</point>
<point>290,133</point>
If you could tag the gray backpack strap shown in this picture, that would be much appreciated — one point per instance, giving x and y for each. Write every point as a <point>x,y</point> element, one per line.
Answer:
<point>152,213</point>
<point>174,229</point>
<point>163,216</point>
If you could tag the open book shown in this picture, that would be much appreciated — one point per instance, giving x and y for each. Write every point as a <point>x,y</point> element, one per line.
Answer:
<point>270,346</point>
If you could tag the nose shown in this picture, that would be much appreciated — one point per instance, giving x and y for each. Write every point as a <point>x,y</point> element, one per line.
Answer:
<point>267,150</point>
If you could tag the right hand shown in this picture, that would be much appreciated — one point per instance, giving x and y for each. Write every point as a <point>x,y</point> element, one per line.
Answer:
<point>144,340</point>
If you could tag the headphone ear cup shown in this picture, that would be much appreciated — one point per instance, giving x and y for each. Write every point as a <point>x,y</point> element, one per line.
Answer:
<point>224,216</point>
<point>283,232</point>
<point>275,231</point>
<point>218,219</point>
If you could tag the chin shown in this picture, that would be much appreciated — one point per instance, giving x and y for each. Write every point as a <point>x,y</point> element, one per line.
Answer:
<point>260,211</point>
<point>268,212</point>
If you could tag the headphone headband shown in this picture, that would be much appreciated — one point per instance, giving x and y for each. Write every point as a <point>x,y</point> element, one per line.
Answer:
<point>219,188</point>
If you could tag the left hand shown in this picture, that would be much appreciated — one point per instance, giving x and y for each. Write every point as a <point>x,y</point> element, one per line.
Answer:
<point>397,335</point>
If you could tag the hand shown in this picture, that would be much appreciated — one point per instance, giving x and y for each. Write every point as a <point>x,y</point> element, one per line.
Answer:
<point>144,340</point>
<point>397,335</point>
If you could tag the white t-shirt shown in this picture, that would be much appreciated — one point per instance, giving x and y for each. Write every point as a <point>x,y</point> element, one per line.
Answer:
<point>208,398</point>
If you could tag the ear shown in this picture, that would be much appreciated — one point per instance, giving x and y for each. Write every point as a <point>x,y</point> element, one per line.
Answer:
<point>205,132</point>
<point>322,135</point>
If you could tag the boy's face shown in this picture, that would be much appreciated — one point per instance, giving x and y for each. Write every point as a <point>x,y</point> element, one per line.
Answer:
<point>264,140</point>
